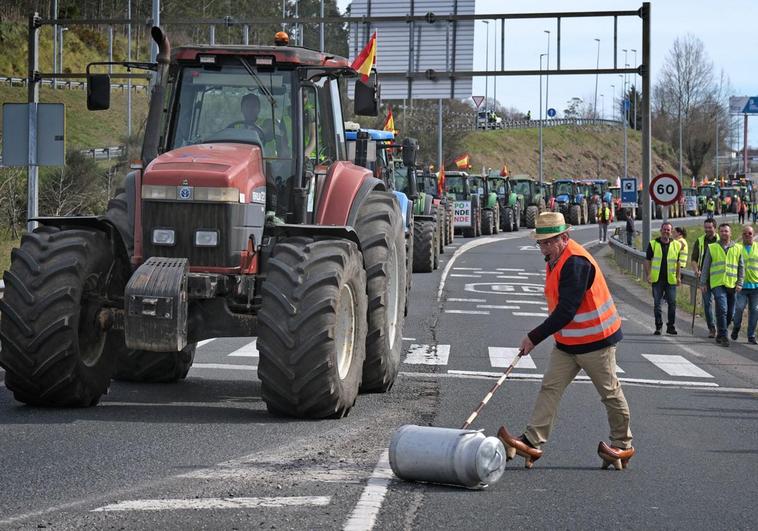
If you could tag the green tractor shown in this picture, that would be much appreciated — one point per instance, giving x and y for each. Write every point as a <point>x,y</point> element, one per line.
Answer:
<point>467,213</point>
<point>534,199</point>
<point>428,183</point>
<point>490,206</point>
<point>705,191</point>
<point>508,200</point>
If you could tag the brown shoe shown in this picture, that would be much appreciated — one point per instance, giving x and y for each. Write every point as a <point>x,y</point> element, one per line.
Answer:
<point>616,457</point>
<point>711,333</point>
<point>520,446</point>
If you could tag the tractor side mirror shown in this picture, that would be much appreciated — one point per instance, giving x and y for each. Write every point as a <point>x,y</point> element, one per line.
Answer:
<point>412,185</point>
<point>98,92</point>
<point>367,97</point>
<point>410,148</point>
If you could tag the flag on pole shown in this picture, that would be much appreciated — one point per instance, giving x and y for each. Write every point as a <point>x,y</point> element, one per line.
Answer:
<point>504,171</point>
<point>463,162</point>
<point>441,181</point>
<point>389,122</point>
<point>366,59</point>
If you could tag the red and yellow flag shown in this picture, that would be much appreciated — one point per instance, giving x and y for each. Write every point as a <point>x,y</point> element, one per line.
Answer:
<point>389,122</point>
<point>441,181</point>
<point>366,59</point>
<point>463,162</point>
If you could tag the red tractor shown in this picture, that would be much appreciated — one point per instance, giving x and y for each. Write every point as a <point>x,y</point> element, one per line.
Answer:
<point>237,222</point>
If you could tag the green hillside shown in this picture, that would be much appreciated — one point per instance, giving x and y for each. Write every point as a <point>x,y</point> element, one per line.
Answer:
<point>568,151</point>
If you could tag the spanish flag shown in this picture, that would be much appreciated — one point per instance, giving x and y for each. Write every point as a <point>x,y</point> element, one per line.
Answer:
<point>441,181</point>
<point>366,59</point>
<point>463,162</point>
<point>389,122</point>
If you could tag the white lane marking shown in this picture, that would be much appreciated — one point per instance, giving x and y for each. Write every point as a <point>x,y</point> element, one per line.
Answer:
<point>510,277</point>
<point>367,509</point>
<point>204,342</point>
<point>508,269</point>
<point>224,366</point>
<point>466,300</point>
<point>544,308</point>
<point>465,276</point>
<point>468,312</point>
<point>462,249</point>
<point>215,503</point>
<point>524,302</point>
<point>503,356</point>
<point>581,377</point>
<point>467,268</point>
<point>428,354</point>
<point>530,314</point>
<point>676,366</point>
<point>497,307</point>
<point>409,339</point>
<point>533,274</point>
<point>248,351</point>
<point>490,272</point>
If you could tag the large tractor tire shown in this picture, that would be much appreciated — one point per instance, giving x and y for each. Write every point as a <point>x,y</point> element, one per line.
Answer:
<point>423,247</point>
<point>488,222</point>
<point>575,215</point>
<point>441,228</point>
<point>593,213</point>
<point>531,216</point>
<point>450,224</point>
<point>54,352</point>
<point>380,229</point>
<point>312,328</point>
<point>409,252</point>
<point>117,213</point>
<point>508,220</point>
<point>496,219</point>
<point>154,367</point>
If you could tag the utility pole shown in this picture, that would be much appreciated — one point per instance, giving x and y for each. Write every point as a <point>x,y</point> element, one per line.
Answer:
<point>634,121</point>
<point>597,66</point>
<point>487,68</point>
<point>547,75</point>
<point>540,127</point>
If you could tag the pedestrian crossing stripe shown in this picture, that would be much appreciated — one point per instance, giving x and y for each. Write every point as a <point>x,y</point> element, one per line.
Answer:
<point>427,354</point>
<point>248,351</point>
<point>503,356</point>
<point>677,366</point>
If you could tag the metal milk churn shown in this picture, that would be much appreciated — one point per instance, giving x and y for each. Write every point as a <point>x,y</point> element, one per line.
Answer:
<point>444,455</point>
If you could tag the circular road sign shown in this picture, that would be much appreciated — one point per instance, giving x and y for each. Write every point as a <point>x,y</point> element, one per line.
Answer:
<point>551,112</point>
<point>665,189</point>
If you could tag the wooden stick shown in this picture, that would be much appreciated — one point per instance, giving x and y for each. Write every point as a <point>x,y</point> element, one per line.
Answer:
<point>491,392</point>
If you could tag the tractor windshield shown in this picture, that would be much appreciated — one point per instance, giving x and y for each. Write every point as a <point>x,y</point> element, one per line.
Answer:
<point>225,103</point>
<point>454,185</point>
<point>564,188</point>
<point>427,184</point>
<point>706,190</point>
<point>477,185</point>
<point>522,188</point>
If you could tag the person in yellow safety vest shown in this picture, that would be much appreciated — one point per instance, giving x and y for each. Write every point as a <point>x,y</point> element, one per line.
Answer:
<point>748,295</point>
<point>723,271</point>
<point>710,207</point>
<point>603,219</point>
<point>680,235</point>
<point>724,206</point>
<point>663,272</point>
<point>699,250</point>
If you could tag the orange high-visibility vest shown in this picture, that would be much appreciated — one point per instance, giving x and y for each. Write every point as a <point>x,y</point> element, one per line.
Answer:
<point>596,318</point>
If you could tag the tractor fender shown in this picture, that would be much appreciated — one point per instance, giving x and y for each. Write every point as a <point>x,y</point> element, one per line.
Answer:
<point>286,230</point>
<point>345,188</point>
<point>101,223</point>
<point>404,208</point>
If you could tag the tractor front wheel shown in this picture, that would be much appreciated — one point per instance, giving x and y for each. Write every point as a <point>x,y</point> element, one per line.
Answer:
<point>487,222</point>
<point>423,247</point>
<point>531,215</point>
<point>312,328</point>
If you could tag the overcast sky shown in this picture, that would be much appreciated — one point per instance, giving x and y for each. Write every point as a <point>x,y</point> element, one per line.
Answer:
<point>726,27</point>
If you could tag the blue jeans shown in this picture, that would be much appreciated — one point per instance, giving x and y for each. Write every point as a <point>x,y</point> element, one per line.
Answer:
<point>708,309</point>
<point>724,298</point>
<point>749,298</point>
<point>661,291</point>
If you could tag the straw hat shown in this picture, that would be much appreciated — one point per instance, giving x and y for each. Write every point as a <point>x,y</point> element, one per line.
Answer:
<point>549,224</point>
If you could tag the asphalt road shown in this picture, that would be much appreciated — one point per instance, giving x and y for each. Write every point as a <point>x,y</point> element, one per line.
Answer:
<point>204,453</point>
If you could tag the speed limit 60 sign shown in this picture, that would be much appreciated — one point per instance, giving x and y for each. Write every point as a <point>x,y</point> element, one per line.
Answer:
<point>665,189</point>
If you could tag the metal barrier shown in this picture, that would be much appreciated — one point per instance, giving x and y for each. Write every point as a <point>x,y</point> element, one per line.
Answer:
<point>632,261</point>
<point>67,83</point>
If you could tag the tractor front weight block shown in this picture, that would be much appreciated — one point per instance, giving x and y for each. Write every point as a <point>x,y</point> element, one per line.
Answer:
<point>156,306</point>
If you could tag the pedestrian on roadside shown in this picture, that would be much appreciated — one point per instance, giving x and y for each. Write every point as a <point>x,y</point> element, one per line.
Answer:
<point>699,250</point>
<point>710,208</point>
<point>629,227</point>
<point>723,271</point>
<point>586,327</point>
<point>603,219</point>
<point>724,207</point>
<point>663,273</point>
<point>741,213</point>
<point>755,212</point>
<point>680,235</point>
<point>748,295</point>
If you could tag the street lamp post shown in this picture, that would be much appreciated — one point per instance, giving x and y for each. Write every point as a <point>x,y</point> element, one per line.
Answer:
<point>487,68</point>
<point>634,121</point>
<point>547,76</point>
<point>60,63</point>
<point>494,79</point>
<point>613,101</point>
<point>602,99</point>
<point>597,66</point>
<point>624,118</point>
<point>540,127</point>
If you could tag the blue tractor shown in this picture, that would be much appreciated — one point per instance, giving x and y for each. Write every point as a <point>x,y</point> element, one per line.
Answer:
<point>570,201</point>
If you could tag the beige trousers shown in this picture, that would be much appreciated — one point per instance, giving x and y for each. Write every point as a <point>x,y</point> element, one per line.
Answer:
<point>600,366</point>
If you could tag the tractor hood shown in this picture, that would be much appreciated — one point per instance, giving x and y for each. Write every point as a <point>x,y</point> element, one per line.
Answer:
<point>563,198</point>
<point>209,165</point>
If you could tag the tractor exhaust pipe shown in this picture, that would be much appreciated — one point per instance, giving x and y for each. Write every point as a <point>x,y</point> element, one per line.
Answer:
<point>152,128</point>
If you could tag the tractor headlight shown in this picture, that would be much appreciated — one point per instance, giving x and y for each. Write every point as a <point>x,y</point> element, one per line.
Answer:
<point>151,191</point>
<point>220,195</point>
<point>165,237</point>
<point>206,238</point>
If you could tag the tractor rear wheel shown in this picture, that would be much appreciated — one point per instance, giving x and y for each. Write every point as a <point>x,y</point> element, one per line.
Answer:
<point>508,220</point>
<point>449,220</point>
<point>55,352</point>
<point>423,247</point>
<point>154,367</point>
<point>575,215</point>
<point>531,215</point>
<point>312,328</point>
<point>380,229</point>
<point>593,213</point>
<point>487,222</point>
